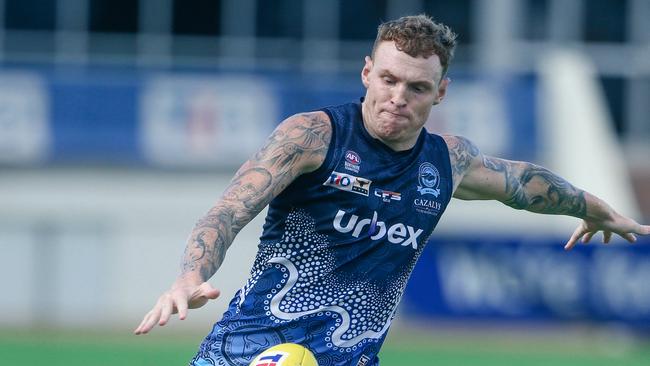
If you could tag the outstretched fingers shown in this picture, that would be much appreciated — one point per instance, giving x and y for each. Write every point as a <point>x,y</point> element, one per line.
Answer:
<point>577,234</point>
<point>167,305</point>
<point>138,329</point>
<point>177,300</point>
<point>586,231</point>
<point>167,308</point>
<point>149,321</point>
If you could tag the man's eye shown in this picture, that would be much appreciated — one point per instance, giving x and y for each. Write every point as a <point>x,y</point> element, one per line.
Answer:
<point>389,81</point>
<point>419,88</point>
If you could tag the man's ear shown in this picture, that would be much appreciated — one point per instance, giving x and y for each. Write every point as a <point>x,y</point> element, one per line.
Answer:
<point>365,71</point>
<point>442,90</point>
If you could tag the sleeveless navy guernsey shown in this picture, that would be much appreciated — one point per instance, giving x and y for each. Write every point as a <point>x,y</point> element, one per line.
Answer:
<point>337,249</point>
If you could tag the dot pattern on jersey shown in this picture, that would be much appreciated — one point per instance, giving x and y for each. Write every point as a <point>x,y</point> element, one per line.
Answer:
<point>312,285</point>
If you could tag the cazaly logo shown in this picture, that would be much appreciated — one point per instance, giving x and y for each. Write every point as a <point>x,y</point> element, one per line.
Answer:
<point>350,183</point>
<point>399,233</point>
<point>426,206</point>
<point>429,180</point>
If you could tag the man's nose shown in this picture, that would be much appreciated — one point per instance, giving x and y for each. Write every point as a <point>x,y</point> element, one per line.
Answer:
<point>398,97</point>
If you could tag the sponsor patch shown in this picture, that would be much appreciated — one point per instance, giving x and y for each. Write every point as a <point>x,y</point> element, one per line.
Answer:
<point>398,233</point>
<point>350,183</point>
<point>352,161</point>
<point>387,196</point>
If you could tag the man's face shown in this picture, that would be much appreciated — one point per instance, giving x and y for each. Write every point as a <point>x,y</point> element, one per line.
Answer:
<point>400,91</point>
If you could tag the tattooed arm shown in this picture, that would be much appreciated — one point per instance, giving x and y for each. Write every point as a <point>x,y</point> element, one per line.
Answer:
<point>297,146</point>
<point>527,186</point>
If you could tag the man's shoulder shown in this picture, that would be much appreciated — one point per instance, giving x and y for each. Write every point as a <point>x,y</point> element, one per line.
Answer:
<point>312,119</point>
<point>457,144</point>
<point>305,137</point>
<point>462,154</point>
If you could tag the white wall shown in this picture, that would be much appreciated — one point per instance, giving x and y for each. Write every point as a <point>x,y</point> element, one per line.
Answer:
<point>98,247</point>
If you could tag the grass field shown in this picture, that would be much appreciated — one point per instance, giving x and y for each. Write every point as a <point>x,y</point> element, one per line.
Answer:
<point>403,347</point>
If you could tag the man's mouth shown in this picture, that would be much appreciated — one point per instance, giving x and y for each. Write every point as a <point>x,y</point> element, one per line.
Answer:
<point>395,114</point>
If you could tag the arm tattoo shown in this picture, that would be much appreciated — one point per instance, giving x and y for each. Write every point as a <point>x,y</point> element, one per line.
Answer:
<point>461,152</point>
<point>270,171</point>
<point>534,188</point>
<point>307,140</point>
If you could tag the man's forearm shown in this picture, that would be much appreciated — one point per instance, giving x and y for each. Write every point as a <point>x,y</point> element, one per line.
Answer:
<point>535,188</point>
<point>247,194</point>
<point>208,243</point>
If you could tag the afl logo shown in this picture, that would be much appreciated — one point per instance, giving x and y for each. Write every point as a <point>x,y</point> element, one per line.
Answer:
<point>352,157</point>
<point>429,180</point>
<point>352,161</point>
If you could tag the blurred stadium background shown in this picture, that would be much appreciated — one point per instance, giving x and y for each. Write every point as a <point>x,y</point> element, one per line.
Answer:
<point>122,120</point>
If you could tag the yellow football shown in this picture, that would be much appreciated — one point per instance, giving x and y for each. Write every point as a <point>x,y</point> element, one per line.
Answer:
<point>285,354</point>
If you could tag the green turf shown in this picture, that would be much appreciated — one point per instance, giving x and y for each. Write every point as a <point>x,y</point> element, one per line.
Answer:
<point>76,348</point>
<point>71,348</point>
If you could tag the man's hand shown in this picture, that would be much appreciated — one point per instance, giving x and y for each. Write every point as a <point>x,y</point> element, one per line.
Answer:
<point>178,299</point>
<point>618,224</point>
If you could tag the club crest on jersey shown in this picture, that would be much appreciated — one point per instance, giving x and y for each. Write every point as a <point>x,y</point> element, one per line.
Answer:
<point>352,161</point>
<point>271,360</point>
<point>350,183</point>
<point>387,196</point>
<point>429,180</point>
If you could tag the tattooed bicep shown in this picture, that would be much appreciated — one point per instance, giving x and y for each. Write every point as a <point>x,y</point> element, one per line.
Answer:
<point>296,146</point>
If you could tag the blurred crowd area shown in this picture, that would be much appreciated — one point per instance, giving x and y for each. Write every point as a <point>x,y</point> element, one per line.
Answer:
<point>334,35</point>
<point>325,38</point>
